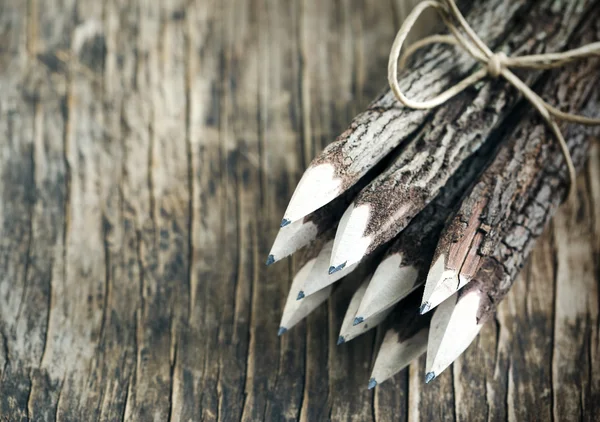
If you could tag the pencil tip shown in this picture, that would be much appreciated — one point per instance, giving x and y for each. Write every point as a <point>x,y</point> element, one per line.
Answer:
<point>372,383</point>
<point>429,377</point>
<point>300,295</point>
<point>333,269</point>
<point>270,259</point>
<point>358,320</point>
<point>341,340</point>
<point>424,308</point>
<point>281,331</point>
<point>285,222</point>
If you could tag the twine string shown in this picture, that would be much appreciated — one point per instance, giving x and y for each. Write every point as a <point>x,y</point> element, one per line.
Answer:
<point>495,65</point>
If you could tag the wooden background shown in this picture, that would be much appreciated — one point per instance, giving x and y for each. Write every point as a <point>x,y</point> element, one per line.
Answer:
<point>148,150</point>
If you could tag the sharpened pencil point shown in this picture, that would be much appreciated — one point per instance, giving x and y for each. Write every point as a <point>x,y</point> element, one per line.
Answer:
<point>372,383</point>
<point>424,308</point>
<point>341,340</point>
<point>281,331</point>
<point>300,295</point>
<point>358,320</point>
<point>333,269</point>
<point>270,259</point>
<point>284,222</point>
<point>429,377</point>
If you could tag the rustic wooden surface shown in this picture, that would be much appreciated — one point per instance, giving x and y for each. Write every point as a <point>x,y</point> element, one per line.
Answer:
<point>149,149</point>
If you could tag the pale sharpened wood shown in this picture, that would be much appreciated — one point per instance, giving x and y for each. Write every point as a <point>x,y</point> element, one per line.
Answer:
<point>353,327</point>
<point>405,339</point>
<point>296,309</point>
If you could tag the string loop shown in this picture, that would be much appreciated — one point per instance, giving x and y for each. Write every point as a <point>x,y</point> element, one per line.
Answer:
<point>494,65</point>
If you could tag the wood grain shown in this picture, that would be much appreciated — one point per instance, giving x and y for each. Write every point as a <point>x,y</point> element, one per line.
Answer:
<point>149,151</point>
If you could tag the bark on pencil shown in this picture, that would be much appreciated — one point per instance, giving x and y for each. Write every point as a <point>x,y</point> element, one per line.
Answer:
<point>385,125</point>
<point>529,171</point>
<point>457,321</point>
<point>386,206</point>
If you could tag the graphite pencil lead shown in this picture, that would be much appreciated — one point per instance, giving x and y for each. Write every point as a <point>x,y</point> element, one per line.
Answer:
<point>430,376</point>
<point>341,340</point>
<point>372,384</point>
<point>340,267</point>
<point>357,320</point>
<point>281,331</point>
<point>404,341</point>
<point>351,326</point>
<point>320,277</point>
<point>270,260</point>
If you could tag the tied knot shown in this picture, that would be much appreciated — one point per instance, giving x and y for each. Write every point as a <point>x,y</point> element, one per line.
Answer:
<point>495,64</point>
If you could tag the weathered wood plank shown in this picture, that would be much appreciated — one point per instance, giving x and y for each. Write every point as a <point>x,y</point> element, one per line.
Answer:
<point>149,149</point>
<point>21,262</point>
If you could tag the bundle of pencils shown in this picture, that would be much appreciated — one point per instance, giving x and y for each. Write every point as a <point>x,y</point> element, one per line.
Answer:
<point>442,207</point>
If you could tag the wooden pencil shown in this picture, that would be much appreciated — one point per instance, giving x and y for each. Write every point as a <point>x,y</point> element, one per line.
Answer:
<point>405,339</point>
<point>386,206</point>
<point>294,310</point>
<point>319,278</point>
<point>385,125</point>
<point>350,329</point>
<point>529,171</point>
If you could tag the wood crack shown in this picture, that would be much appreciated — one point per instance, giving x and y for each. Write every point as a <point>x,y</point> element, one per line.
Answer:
<point>172,378</point>
<point>5,351</point>
<point>191,173</point>
<point>554,339</point>
<point>124,412</point>
<point>107,277</point>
